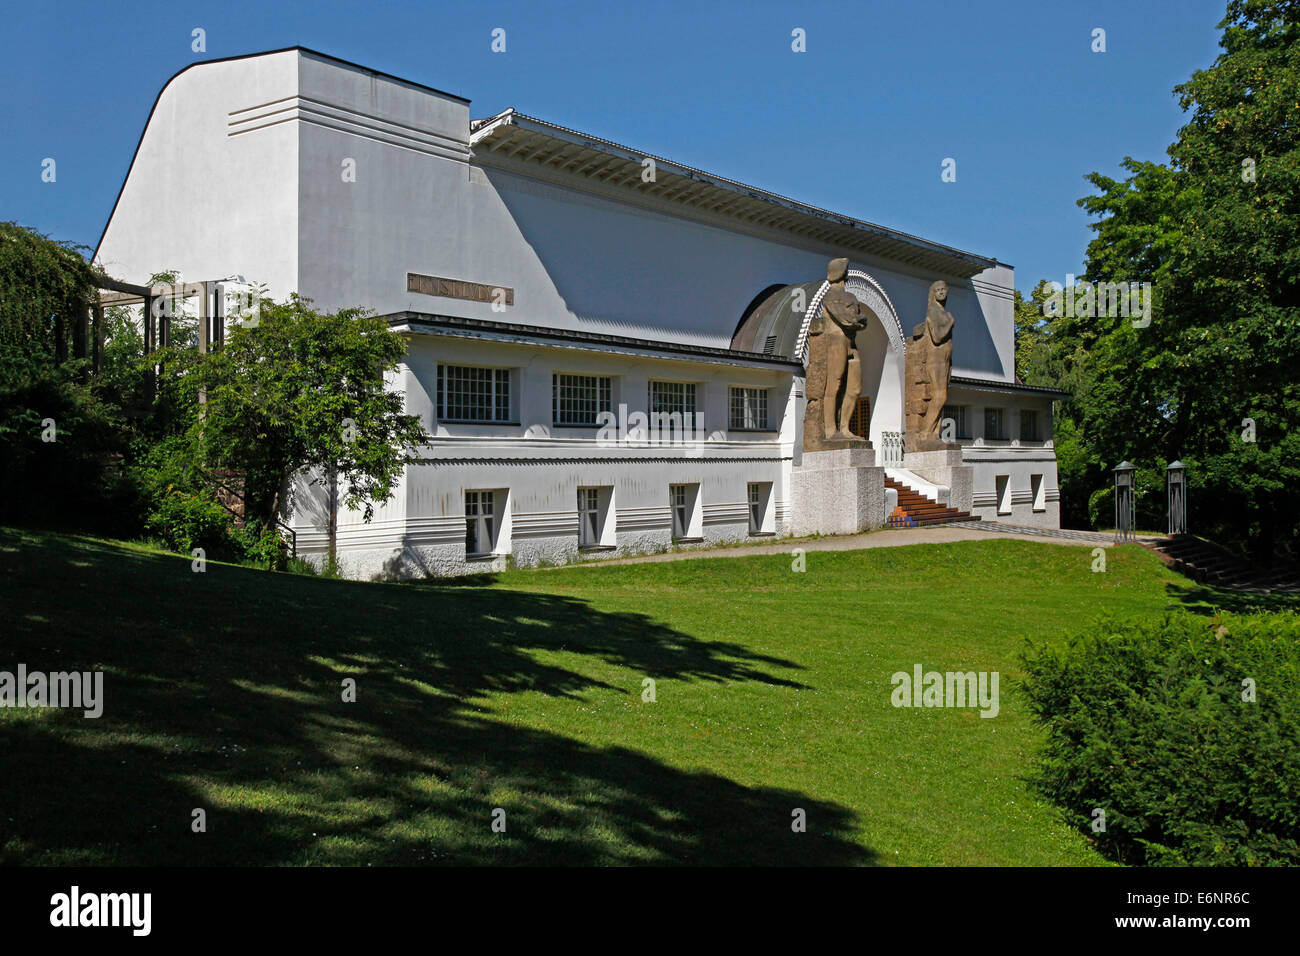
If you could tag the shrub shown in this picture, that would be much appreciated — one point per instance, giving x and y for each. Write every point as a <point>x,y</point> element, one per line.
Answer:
<point>1151,722</point>
<point>184,521</point>
<point>263,546</point>
<point>60,457</point>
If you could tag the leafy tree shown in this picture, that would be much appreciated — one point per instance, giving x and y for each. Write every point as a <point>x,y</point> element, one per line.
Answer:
<point>60,440</point>
<point>1217,235</point>
<point>1048,357</point>
<point>43,285</point>
<point>297,392</point>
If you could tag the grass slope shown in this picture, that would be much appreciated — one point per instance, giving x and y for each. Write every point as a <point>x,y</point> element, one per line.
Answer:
<point>223,692</point>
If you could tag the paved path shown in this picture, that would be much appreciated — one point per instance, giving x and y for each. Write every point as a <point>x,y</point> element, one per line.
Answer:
<point>942,534</point>
<point>1102,538</point>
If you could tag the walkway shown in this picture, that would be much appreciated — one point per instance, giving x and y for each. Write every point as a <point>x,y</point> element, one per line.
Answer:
<point>939,534</point>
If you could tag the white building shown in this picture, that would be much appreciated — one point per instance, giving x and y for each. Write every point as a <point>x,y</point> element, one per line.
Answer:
<point>541,276</point>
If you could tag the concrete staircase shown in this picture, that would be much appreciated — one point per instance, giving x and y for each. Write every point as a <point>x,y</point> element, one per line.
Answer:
<point>915,509</point>
<point>1207,563</point>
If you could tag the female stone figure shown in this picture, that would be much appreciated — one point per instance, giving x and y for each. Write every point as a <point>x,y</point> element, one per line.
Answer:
<point>929,368</point>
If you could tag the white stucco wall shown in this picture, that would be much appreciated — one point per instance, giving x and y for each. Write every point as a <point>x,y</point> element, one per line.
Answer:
<point>213,189</point>
<point>541,466</point>
<point>1019,462</point>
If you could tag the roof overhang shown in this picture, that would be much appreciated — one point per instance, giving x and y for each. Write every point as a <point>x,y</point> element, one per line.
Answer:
<point>1010,388</point>
<point>513,140</point>
<point>461,327</point>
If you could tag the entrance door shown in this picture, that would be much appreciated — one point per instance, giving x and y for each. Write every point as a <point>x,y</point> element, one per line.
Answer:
<point>860,421</point>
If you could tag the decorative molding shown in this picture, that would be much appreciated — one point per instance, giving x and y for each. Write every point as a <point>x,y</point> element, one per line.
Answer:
<point>867,291</point>
<point>591,461</point>
<point>344,119</point>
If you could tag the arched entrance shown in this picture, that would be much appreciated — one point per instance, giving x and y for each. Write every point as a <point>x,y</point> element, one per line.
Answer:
<point>882,349</point>
<point>777,323</point>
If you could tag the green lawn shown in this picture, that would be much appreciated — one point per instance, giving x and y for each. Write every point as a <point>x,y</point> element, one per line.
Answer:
<point>525,692</point>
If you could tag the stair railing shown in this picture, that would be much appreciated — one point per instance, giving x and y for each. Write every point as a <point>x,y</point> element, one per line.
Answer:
<point>891,449</point>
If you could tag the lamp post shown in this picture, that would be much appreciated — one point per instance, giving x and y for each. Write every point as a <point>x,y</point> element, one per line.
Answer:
<point>1124,501</point>
<point>1176,491</point>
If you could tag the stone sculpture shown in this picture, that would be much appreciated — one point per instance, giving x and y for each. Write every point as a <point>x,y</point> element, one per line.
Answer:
<point>929,369</point>
<point>834,379</point>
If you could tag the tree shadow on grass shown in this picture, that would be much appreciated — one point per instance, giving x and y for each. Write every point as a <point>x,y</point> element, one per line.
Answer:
<point>1201,599</point>
<point>223,692</point>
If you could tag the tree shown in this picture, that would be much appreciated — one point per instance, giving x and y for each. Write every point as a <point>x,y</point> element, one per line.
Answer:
<point>300,392</point>
<point>1211,379</point>
<point>60,440</point>
<point>44,285</point>
<point>1048,356</point>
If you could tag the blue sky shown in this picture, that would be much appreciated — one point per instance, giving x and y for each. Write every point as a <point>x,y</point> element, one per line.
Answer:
<point>859,124</point>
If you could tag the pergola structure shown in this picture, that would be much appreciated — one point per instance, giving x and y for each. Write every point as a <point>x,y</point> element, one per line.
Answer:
<point>160,305</point>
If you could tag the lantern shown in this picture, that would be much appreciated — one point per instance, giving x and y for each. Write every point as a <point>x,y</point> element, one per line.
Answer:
<point>1124,488</point>
<point>1176,490</point>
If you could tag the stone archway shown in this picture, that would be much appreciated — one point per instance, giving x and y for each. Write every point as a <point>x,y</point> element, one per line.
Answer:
<point>883,351</point>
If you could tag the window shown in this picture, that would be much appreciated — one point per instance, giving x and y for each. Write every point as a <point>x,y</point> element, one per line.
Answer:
<point>468,394</point>
<point>578,399</point>
<point>683,501</point>
<point>681,511</point>
<point>1039,490</point>
<point>672,410</point>
<point>480,522</point>
<point>1003,486</point>
<point>1028,424</point>
<point>993,424</point>
<point>760,496</point>
<point>748,408</point>
<point>595,511</point>
<point>958,414</point>
<point>670,397</point>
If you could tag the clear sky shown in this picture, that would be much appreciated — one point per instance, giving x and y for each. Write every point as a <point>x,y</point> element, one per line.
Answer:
<point>860,123</point>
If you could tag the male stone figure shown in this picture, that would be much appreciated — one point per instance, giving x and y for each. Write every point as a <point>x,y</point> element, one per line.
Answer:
<point>834,365</point>
<point>929,369</point>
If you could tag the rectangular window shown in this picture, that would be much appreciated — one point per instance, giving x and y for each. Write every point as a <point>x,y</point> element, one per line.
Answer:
<point>993,424</point>
<point>1039,490</point>
<point>672,410</point>
<point>1028,424</point>
<point>681,510</point>
<point>760,497</point>
<point>748,408</point>
<point>669,397</point>
<point>588,517</point>
<point>1003,487</point>
<point>958,413</point>
<point>469,394</point>
<point>480,522</point>
<point>578,399</point>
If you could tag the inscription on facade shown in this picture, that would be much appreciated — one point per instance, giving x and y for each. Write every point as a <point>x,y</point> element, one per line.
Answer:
<point>459,289</point>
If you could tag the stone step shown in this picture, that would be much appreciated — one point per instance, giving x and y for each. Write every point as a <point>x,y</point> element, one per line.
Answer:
<point>920,510</point>
<point>1208,563</point>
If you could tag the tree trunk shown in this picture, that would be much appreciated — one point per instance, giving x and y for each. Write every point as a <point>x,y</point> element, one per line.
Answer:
<point>332,484</point>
